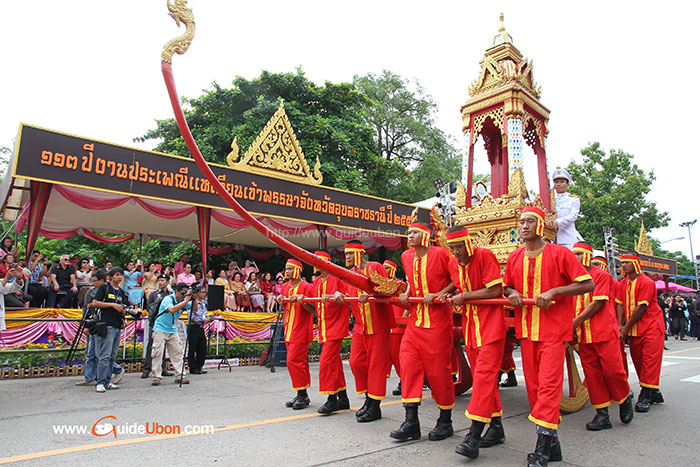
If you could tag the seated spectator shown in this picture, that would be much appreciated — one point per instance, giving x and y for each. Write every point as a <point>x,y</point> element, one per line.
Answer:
<point>37,272</point>
<point>198,279</point>
<point>257,300</point>
<point>108,266</point>
<point>238,287</point>
<point>134,270</point>
<point>211,275</point>
<point>179,267</point>
<point>82,279</point>
<point>186,277</point>
<point>232,269</point>
<point>229,297</point>
<point>62,279</point>
<point>250,267</point>
<point>267,288</point>
<point>6,248</point>
<point>279,280</point>
<point>16,299</point>
<point>7,287</point>
<point>7,263</point>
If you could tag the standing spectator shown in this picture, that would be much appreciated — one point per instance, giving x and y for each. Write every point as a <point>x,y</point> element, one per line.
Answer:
<point>186,277</point>
<point>6,247</point>
<point>232,269</point>
<point>90,369</point>
<point>165,333</point>
<point>677,314</point>
<point>153,305</point>
<point>267,287</point>
<point>37,271</point>
<point>110,299</point>
<point>179,267</point>
<point>7,287</point>
<point>250,267</point>
<point>131,282</point>
<point>197,351</point>
<point>82,279</point>
<point>62,279</point>
<point>108,266</point>
<point>252,287</point>
<point>150,279</point>
<point>229,297</point>
<point>238,287</point>
<point>279,280</point>
<point>696,317</point>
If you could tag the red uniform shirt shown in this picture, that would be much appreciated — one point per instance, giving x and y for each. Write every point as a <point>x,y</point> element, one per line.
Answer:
<point>298,323</point>
<point>555,266</point>
<point>333,318</point>
<point>429,274</point>
<point>602,326</point>
<point>482,324</point>
<point>642,291</point>
<point>373,318</point>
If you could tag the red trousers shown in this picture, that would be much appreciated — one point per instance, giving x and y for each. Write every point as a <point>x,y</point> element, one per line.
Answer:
<point>647,351</point>
<point>331,378</point>
<point>507,362</point>
<point>369,359</point>
<point>298,364</point>
<point>394,349</point>
<point>606,378</point>
<point>485,401</point>
<point>624,357</point>
<point>543,365</point>
<point>427,353</point>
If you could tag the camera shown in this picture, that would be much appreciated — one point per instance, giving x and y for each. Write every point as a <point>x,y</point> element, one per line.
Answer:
<point>131,312</point>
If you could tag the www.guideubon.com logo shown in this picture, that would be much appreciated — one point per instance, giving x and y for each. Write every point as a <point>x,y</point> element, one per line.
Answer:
<point>108,425</point>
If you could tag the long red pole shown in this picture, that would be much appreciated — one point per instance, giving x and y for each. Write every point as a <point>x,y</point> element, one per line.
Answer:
<point>483,301</point>
<point>350,277</point>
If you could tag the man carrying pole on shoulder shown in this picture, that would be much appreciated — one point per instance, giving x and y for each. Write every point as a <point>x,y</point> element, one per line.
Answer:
<point>551,275</point>
<point>426,349</point>
<point>298,331</point>
<point>369,348</point>
<point>598,335</point>
<point>477,275</point>
<point>333,319</point>
<point>645,328</point>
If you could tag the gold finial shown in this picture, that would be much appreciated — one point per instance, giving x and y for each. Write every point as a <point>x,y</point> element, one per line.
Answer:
<point>233,155</point>
<point>642,245</point>
<point>502,37</point>
<point>181,14</point>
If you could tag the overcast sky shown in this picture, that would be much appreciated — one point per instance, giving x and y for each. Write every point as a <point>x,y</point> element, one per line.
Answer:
<point>621,73</point>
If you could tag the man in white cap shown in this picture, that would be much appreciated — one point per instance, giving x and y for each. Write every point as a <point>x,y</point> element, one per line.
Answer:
<point>567,207</point>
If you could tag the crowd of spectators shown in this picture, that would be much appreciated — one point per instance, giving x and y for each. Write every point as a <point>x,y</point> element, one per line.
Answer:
<point>682,313</point>
<point>64,283</point>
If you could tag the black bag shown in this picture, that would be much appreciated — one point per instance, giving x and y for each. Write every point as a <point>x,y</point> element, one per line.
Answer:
<point>154,307</point>
<point>101,329</point>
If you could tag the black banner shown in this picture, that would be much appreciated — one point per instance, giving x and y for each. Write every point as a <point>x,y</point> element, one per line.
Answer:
<point>654,264</point>
<point>54,157</point>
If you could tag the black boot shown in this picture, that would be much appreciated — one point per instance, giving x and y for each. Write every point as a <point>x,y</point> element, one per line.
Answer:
<point>470,446</point>
<point>540,457</point>
<point>554,452</point>
<point>443,429</point>
<point>601,421</point>
<point>494,435</point>
<point>510,381</point>
<point>626,409</point>
<point>643,401</point>
<point>655,396</point>
<point>330,406</point>
<point>364,407</point>
<point>410,428</point>
<point>372,413</point>
<point>290,403</point>
<point>500,375</point>
<point>397,391</point>
<point>343,401</point>
<point>302,401</point>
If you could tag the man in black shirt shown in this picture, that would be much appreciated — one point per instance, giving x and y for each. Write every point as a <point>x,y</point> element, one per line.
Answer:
<point>108,299</point>
<point>62,278</point>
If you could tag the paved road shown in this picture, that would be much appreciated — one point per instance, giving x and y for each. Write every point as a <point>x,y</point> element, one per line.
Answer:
<point>252,426</point>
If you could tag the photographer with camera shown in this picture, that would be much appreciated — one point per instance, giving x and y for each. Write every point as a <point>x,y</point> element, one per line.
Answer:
<point>165,333</point>
<point>153,305</point>
<point>89,315</point>
<point>197,352</point>
<point>110,300</point>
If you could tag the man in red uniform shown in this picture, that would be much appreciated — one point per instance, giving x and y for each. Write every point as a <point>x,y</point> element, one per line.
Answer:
<point>298,331</point>
<point>476,274</point>
<point>507,362</point>
<point>396,332</point>
<point>426,349</point>
<point>598,335</point>
<point>333,319</point>
<point>369,348</point>
<point>551,275</point>
<point>645,328</point>
<point>619,302</point>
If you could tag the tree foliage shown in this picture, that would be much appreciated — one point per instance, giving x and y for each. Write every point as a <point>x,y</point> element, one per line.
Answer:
<point>613,192</point>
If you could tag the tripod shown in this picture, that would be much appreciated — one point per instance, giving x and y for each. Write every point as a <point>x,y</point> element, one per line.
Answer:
<point>272,350</point>
<point>76,339</point>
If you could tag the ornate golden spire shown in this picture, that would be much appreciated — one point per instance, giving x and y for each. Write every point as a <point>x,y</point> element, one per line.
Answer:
<point>502,37</point>
<point>643,246</point>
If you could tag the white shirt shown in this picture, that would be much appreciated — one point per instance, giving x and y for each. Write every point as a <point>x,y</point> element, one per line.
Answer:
<point>10,287</point>
<point>568,207</point>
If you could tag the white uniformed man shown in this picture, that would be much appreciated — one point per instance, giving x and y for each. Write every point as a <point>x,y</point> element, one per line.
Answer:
<point>568,207</point>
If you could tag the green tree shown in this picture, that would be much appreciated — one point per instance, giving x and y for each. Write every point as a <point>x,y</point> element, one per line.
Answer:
<point>613,191</point>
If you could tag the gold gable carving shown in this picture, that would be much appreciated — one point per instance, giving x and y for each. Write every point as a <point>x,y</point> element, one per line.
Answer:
<point>642,245</point>
<point>276,152</point>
